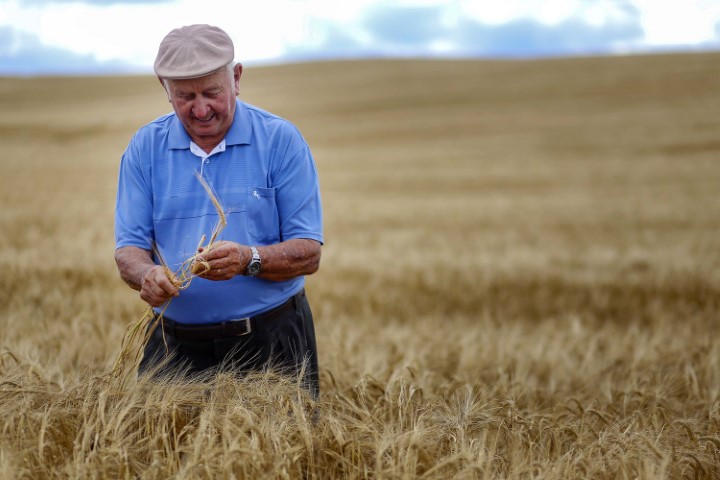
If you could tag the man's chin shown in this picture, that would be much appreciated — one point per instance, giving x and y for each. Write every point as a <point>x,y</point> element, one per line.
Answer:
<point>205,130</point>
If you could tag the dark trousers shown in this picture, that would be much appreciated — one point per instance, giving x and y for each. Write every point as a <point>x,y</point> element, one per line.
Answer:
<point>283,342</point>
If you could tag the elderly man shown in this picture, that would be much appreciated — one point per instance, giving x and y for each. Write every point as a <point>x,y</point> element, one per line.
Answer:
<point>248,311</point>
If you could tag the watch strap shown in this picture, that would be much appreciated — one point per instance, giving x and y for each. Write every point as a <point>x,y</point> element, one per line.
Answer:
<point>255,263</point>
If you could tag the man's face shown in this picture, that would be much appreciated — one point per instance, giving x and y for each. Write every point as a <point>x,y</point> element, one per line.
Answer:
<point>206,105</point>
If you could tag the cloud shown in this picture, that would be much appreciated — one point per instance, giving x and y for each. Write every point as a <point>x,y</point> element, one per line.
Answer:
<point>405,25</point>
<point>526,37</point>
<point>23,54</point>
<point>521,36</point>
<point>75,36</point>
<point>330,41</point>
<point>435,30</point>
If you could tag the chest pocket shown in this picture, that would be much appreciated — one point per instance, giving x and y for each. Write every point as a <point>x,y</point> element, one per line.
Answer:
<point>263,222</point>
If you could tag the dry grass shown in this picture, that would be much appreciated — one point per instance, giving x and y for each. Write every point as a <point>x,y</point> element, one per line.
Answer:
<point>520,279</point>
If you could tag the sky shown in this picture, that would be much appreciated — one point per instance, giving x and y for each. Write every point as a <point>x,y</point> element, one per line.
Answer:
<point>84,37</point>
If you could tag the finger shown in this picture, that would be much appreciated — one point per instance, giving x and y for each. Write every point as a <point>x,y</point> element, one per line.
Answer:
<point>169,290</point>
<point>213,254</point>
<point>217,275</point>
<point>152,298</point>
<point>156,294</point>
<point>166,286</point>
<point>219,250</point>
<point>160,288</point>
<point>214,274</point>
<point>224,263</point>
<point>200,267</point>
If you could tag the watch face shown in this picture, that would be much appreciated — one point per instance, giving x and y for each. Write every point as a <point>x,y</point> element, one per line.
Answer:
<point>254,268</point>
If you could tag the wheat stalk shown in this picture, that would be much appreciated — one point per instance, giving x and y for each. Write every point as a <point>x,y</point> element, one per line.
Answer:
<point>134,339</point>
<point>194,265</point>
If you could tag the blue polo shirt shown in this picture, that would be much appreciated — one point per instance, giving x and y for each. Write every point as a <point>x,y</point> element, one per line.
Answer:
<point>266,181</point>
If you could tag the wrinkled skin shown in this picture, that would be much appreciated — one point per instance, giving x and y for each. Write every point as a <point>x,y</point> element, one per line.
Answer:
<point>206,105</point>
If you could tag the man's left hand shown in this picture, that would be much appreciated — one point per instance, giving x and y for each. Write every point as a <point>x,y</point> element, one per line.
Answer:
<point>225,259</point>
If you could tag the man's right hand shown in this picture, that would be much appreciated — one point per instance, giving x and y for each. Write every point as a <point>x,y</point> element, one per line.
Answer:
<point>138,270</point>
<point>156,287</point>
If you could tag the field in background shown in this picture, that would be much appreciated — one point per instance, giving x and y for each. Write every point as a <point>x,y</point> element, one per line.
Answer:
<point>521,278</point>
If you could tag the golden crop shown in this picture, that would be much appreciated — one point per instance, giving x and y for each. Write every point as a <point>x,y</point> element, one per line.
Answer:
<point>520,279</point>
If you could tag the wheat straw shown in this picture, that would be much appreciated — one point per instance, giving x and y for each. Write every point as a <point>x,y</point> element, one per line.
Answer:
<point>134,341</point>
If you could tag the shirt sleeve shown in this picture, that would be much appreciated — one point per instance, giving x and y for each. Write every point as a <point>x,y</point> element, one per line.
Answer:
<point>133,207</point>
<point>298,194</point>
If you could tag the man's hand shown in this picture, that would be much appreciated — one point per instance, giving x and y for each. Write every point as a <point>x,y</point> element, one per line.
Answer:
<point>281,261</point>
<point>138,270</point>
<point>156,287</point>
<point>225,259</point>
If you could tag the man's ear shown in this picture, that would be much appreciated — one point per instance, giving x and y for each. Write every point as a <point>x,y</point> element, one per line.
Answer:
<point>237,73</point>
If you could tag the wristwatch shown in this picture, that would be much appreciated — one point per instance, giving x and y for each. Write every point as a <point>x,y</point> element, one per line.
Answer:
<point>255,265</point>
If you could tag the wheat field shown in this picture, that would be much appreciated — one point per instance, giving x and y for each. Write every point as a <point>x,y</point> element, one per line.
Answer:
<point>521,279</point>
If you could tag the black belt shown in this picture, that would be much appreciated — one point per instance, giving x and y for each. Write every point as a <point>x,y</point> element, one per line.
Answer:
<point>236,327</point>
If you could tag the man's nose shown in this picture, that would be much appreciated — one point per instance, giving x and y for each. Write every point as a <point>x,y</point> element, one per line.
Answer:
<point>200,108</point>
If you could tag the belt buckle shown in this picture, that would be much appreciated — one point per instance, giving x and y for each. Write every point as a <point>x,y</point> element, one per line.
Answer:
<point>248,326</point>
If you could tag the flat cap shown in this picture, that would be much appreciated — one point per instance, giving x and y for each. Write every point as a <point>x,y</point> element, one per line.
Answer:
<point>193,51</point>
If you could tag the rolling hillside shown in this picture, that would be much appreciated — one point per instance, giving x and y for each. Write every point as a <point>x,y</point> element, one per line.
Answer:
<point>521,278</point>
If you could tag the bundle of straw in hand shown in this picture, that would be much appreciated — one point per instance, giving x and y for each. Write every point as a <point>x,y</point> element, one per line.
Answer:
<point>134,341</point>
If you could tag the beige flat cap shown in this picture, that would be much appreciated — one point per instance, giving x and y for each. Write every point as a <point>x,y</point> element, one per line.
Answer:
<point>193,51</point>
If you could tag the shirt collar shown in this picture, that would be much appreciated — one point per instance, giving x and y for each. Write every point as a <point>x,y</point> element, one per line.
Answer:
<point>240,131</point>
<point>196,150</point>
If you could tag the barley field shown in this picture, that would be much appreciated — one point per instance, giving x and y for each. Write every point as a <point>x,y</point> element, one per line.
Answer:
<point>521,279</point>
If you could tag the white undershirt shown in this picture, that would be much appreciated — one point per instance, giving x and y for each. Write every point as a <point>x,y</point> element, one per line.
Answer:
<point>195,149</point>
